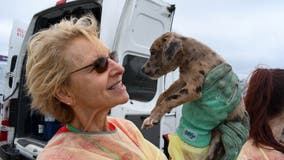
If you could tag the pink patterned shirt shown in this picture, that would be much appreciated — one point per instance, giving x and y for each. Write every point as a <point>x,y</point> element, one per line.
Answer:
<point>123,142</point>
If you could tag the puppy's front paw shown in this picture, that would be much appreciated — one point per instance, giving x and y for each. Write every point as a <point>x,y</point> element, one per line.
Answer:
<point>148,123</point>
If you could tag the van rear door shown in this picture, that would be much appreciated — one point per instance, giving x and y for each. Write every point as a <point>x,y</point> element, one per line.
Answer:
<point>141,22</point>
<point>15,43</point>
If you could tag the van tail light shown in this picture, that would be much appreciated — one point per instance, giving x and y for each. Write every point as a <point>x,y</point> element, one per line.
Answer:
<point>60,2</point>
<point>4,130</point>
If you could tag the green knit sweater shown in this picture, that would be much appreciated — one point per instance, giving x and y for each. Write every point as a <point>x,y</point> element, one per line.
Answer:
<point>221,93</point>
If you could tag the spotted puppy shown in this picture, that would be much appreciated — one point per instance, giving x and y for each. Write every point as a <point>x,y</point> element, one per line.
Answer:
<point>194,60</point>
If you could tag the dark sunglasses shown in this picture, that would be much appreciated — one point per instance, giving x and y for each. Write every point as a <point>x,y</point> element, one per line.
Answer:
<point>100,65</point>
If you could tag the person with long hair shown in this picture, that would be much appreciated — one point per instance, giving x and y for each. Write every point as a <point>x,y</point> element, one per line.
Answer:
<point>264,102</point>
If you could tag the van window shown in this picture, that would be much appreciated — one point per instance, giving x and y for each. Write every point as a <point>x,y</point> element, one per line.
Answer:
<point>138,85</point>
<point>12,68</point>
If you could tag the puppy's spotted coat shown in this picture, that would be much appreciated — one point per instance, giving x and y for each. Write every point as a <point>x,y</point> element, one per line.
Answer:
<point>194,60</point>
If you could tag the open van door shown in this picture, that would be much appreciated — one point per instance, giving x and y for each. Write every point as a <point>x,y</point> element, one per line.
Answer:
<point>16,39</point>
<point>141,22</point>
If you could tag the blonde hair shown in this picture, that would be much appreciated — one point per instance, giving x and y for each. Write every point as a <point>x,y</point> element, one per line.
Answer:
<point>48,67</point>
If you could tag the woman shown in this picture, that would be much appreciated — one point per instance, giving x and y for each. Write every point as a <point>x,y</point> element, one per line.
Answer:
<point>265,104</point>
<point>73,76</point>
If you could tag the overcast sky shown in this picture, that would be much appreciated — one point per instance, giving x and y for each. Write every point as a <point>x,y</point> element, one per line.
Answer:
<point>245,33</point>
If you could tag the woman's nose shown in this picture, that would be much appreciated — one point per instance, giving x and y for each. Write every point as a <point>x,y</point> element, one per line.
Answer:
<point>115,67</point>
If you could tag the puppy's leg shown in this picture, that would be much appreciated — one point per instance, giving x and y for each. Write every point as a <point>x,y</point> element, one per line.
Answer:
<point>238,113</point>
<point>216,147</point>
<point>172,97</point>
<point>175,87</point>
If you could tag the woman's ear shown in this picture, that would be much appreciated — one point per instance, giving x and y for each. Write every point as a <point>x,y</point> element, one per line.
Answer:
<point>64,96</point>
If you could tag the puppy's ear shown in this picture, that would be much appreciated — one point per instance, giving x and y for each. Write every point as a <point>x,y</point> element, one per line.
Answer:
<point>166,37</point>
<point>174,46</point>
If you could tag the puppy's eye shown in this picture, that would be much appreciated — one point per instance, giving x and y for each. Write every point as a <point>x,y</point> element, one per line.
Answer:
<point>153,52</point>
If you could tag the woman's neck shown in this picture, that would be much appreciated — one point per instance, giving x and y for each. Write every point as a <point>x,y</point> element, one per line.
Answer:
<point>90,121</point>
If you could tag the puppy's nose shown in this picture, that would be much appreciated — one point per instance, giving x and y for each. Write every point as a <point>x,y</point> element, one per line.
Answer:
<point>145,72</point>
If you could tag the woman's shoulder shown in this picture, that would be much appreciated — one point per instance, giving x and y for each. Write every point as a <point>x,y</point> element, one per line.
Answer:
<point>123,124</point>
<point>127,127</point>
<point>251,152</point>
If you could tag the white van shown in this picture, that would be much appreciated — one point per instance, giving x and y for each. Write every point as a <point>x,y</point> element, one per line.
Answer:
<point>126,26</point>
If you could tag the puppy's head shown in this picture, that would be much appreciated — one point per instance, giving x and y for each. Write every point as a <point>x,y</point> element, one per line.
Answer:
<point>165,54</point>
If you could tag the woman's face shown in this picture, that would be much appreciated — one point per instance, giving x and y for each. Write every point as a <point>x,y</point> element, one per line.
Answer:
<point>90,88</point>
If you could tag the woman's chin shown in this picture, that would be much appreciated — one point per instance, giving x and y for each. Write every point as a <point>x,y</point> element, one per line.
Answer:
<point>123,98</point>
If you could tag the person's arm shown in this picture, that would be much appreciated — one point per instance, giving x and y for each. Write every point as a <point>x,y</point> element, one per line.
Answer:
<point>221,94</point>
